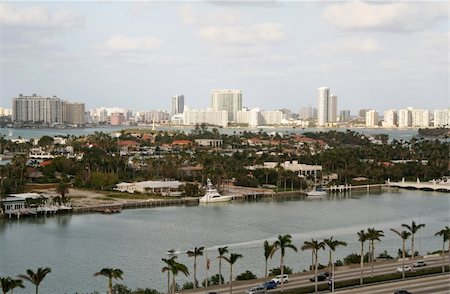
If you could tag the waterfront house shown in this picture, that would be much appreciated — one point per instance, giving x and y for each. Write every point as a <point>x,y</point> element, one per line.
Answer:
<point>164,188</point>
<point>12,205</point>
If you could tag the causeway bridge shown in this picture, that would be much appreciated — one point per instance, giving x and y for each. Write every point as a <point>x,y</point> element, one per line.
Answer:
<point>434,185</point>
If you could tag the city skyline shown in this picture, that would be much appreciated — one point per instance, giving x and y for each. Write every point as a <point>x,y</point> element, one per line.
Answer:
<point>278,53</point>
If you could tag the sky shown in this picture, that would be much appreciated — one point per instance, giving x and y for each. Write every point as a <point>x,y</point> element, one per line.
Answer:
<point>136,55</point>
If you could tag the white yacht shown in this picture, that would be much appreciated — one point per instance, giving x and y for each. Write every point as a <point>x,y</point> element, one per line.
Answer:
<point>212,195</point>
<point>317,191</point>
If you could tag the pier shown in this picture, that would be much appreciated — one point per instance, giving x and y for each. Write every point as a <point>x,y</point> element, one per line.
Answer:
<point>434,185</point>
<point>345,188</point>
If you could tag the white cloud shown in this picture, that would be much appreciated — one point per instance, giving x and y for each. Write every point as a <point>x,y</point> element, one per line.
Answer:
<point>354,44</point>
<point>394,16</point>
<point>37,17</point>
<point>122,43</point>
<point>244,35</point>
<point>190,17</point>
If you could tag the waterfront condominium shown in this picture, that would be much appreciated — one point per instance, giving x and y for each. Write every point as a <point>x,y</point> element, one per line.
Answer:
<point>177,104</point>
<point>390,118</point>
<point>371,118</point>
<point>442,117</point>
<point>326,107</point>
<point>48,110</point>
<point>229,100</point>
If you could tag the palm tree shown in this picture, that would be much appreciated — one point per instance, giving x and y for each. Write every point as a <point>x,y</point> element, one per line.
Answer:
<point>222,251</point>
<point>36,277</point>
<point>9,284</point>
<point>268,252</point>
<point>445,234</point>
<point>282,243</point>
<point>332,244</point>
<point>194,253</point>
<point>232,260</point>
<point>315,246</point>
<point>62,189</point>
<point>176,269</point>
<point>362,237</point>
<point>404,235</point>
<point>373,235</point>
<point>413,229</point>
<point>110,273</point>
<point>168,268</point>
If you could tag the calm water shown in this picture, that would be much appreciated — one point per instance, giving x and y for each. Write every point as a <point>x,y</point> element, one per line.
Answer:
<point>76,246</point>
<point>37,133</point>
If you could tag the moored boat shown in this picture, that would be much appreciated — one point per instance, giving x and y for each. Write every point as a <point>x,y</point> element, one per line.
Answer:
<point>212,195</point>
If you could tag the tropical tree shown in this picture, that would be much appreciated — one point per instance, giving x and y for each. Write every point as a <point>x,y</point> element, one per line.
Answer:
<point>36,277</point>
<point>315,246</point>
<point>168,268</point>
<point>332,245</point>
<point>268,251</point>
<point>373,235</point>
<point>232,260</point>
<point>110,273</point>
<point>9,284</point>
<point>362,237</point>
<point>176,268</point>
<point>404,235</point>
<point>413,228</point>
<point>222,251</point>
<point>283,242</point>
<point>194,253</point>
<point>445,234</point>
<point>62,189</point>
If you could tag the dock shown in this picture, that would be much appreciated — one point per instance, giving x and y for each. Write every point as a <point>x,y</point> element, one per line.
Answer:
<point>434,185</point>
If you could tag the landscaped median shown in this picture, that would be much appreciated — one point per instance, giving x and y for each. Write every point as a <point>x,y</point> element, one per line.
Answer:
<point>369,280</point>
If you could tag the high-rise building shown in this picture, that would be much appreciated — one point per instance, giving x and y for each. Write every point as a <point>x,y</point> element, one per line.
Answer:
<point>404,118</point>
<point>344,115</point>
<point>326,107</point>
<point>371,118</point>
<point>177,104</point>
<point>229,100</point>
<point>208,116</point>
<point>362,113</point>
<point>442,117</point>
<point>37,109</point>
<point>306,113</point>
<point>5,111</point>
<point>390,118</point>
<point>73,113</point>
<point>420,118</point>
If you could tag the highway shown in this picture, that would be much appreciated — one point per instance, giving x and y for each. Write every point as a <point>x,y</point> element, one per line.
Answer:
<point>298,280</point>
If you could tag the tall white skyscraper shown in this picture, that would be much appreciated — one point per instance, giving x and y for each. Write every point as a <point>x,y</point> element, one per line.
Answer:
<point>371,118</point>
<point>229,100</point>
<point>390,118</point>
<point>177,104</point>
<point>326,107</point>
<point>442,117</point>
<point>420,118</point>
<point>404,118</point>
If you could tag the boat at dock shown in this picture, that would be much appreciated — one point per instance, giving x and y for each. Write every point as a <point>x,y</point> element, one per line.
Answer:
<point>212,195</point>
<point>317,192</point>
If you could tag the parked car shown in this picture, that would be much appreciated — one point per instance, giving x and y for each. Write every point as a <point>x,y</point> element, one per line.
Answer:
<point>256,290</point>
<point>270,285</point>
<point>407,268</point>
<point>402,292</point>
<point>419,263</point>
<point>278,279</point>
<point>320,277</point>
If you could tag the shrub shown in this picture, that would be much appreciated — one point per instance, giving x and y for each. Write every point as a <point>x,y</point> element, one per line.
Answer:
<point>247,275</point>
<point>276,271</point>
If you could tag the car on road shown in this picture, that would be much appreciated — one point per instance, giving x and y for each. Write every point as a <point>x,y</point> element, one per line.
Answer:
<point>270,285</point>
<point>406,268</point>
<point>419,263</point>
<point>402,292</point>
<point>320,277</point>
<point>278,279</point>
<point>256,290</point>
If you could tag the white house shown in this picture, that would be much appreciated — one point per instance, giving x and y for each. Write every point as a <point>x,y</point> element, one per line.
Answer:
<point>165,188</point>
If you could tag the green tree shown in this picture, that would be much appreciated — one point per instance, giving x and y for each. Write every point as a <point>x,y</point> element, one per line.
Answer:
<point>62,189</point>
<point>194,253</point>
<point>9,284</point>
<point>247,275</point>
<point>283,242</point>
<point>176,268</point>
<point>110,273</point>
<point>36,277</point>
<point>222,251</point>
<point>315,246</point>
<point>413,228</point>
<point>445,234</point>
<point>404,235</point>
<point>373,235</point>
<point>362,237</point>
<point>268,252</point>
<point>168,268</point>
<point>232,260</point>
<point>332,245</point>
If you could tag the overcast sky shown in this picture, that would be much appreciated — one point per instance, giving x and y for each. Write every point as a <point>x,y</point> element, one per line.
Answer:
<point>138,54</point>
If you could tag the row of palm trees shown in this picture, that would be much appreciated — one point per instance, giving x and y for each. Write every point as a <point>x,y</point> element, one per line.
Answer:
<point>284,242</point>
